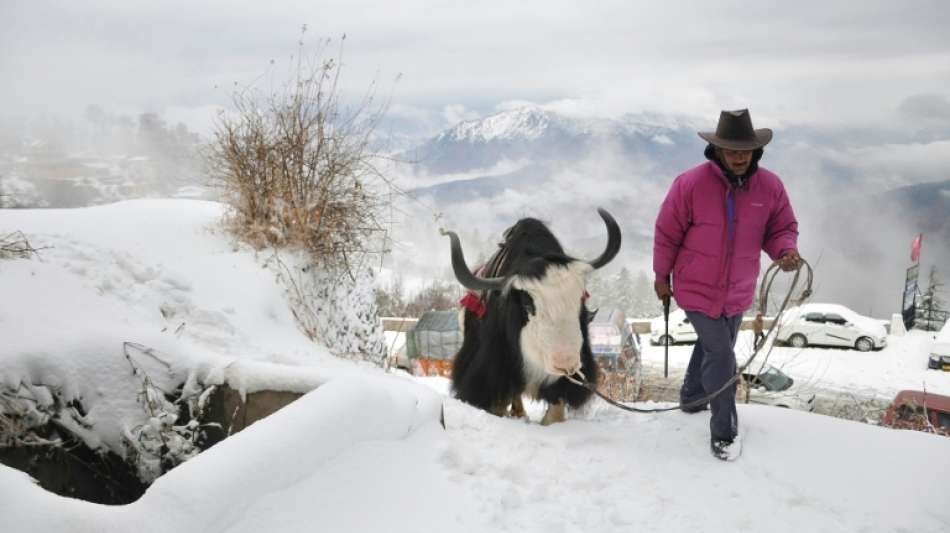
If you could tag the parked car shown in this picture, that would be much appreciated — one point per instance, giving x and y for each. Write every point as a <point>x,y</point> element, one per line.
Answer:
<point>774,387</point>
<point>681,330</point>
<point>616,350</point>
<point>940,351</point>
<point>918,410</point>
<point>830,325</point>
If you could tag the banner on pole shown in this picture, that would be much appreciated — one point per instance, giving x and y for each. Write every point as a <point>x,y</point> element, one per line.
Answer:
<point>909,304</point>
<point>915,247</point>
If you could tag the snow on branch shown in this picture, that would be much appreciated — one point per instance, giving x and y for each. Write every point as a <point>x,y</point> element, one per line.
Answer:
<point>161,442</point>
<point>334,309</point>
<point>28,413</point>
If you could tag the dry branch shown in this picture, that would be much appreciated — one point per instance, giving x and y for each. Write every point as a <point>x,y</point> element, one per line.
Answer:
<point>16,245</point>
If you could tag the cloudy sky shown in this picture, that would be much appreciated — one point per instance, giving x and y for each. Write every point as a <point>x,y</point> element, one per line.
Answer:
<point>869,62</point>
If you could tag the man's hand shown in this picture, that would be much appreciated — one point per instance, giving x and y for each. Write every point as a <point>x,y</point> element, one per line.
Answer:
<point>663,291</point>
<point>790,261</point>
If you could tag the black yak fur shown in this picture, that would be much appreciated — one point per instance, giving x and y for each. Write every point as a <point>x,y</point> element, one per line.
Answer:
<point>488,371</point>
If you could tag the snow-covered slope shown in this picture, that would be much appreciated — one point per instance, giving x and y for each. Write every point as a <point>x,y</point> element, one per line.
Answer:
<point>143,265</point>
<point>157,273</point>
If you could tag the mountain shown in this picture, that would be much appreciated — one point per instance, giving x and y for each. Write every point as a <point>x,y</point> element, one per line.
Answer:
<point>927,204</point>
<point>544,137</point>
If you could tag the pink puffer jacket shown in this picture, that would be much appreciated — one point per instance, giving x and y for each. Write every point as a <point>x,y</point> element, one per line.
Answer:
<point>712,273</point>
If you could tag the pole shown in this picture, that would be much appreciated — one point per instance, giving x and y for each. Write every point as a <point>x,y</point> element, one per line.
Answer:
<point>666,336</point>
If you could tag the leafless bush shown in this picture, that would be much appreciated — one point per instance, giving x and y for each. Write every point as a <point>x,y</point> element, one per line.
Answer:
<point>15,245</point>
<point>296,166</point>
<point>437,295</point>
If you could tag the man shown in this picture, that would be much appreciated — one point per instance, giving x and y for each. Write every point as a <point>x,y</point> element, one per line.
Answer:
<point>716,219</point>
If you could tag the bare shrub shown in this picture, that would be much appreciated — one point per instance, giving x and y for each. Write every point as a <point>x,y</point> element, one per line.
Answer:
<point>163,440</point>
<point>15,245</point>
<point>296,166</point>
<point>437,295</point>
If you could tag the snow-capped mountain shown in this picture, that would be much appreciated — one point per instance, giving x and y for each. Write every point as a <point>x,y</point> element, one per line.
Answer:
<point>542,137</point>
<point>525,124</point>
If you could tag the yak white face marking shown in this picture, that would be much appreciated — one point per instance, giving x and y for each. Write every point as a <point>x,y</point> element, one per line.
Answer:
<point>551,340</point>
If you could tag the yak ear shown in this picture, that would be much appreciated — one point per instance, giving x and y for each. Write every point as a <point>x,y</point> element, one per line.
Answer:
<point>582,267</point>
<point>514,282</point>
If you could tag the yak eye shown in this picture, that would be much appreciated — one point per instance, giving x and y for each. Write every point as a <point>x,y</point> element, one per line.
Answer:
<point>528,304</point>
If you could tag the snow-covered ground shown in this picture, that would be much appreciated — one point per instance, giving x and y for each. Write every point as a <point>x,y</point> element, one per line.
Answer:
<point>364,451</point>
<point>902,364</point>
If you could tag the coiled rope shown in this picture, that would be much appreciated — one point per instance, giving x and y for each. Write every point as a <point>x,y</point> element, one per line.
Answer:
<point>765,287</point>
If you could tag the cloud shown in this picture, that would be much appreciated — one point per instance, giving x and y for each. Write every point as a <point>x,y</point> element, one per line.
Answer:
<point>927,107</point>
<point>455,113</point>
<point>786,61</point>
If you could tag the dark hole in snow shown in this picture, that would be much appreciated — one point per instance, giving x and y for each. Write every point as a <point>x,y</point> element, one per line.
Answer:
<point>73,470</point>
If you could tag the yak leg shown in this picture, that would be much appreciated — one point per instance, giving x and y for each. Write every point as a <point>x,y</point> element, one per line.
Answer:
<point>517,408</point>
<point>499,409</point>
<point>557,412</point>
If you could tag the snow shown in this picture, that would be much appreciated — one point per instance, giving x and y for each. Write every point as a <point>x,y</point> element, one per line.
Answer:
<point>878,374</point>
<point>363,450</point>
<point>523,123</point>
<point>152,272</point>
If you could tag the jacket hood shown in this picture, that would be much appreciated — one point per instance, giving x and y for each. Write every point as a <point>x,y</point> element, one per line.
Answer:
<point>736,181</point>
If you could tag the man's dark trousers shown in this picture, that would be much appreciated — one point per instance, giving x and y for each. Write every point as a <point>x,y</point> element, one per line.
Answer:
<point>712,364</point>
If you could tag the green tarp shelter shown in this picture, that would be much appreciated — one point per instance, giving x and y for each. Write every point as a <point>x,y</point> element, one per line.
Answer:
<point>436,336</point>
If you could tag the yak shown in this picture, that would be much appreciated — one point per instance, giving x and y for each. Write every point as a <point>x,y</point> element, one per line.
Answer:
<point>532,331</point>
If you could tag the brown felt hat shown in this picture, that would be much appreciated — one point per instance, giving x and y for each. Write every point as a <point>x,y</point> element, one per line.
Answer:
<point>735,132</point>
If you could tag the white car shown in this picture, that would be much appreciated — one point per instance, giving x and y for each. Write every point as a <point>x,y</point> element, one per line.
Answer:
<point>830,325</point>
<point>774,387</point>
<point>681,330</point>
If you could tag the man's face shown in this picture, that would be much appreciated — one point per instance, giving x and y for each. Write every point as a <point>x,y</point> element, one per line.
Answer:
<point>737,161</point>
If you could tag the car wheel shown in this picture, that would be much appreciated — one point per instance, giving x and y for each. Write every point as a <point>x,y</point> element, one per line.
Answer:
<point>864,344</point>
<point>798,340</point>
<point>665,340</point>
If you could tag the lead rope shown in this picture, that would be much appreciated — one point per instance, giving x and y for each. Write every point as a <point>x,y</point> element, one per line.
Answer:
<point>764,288</point>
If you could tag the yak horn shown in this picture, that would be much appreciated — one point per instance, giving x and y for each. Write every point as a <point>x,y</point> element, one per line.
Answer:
<point>613,240</point>
<point>464,275</point>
